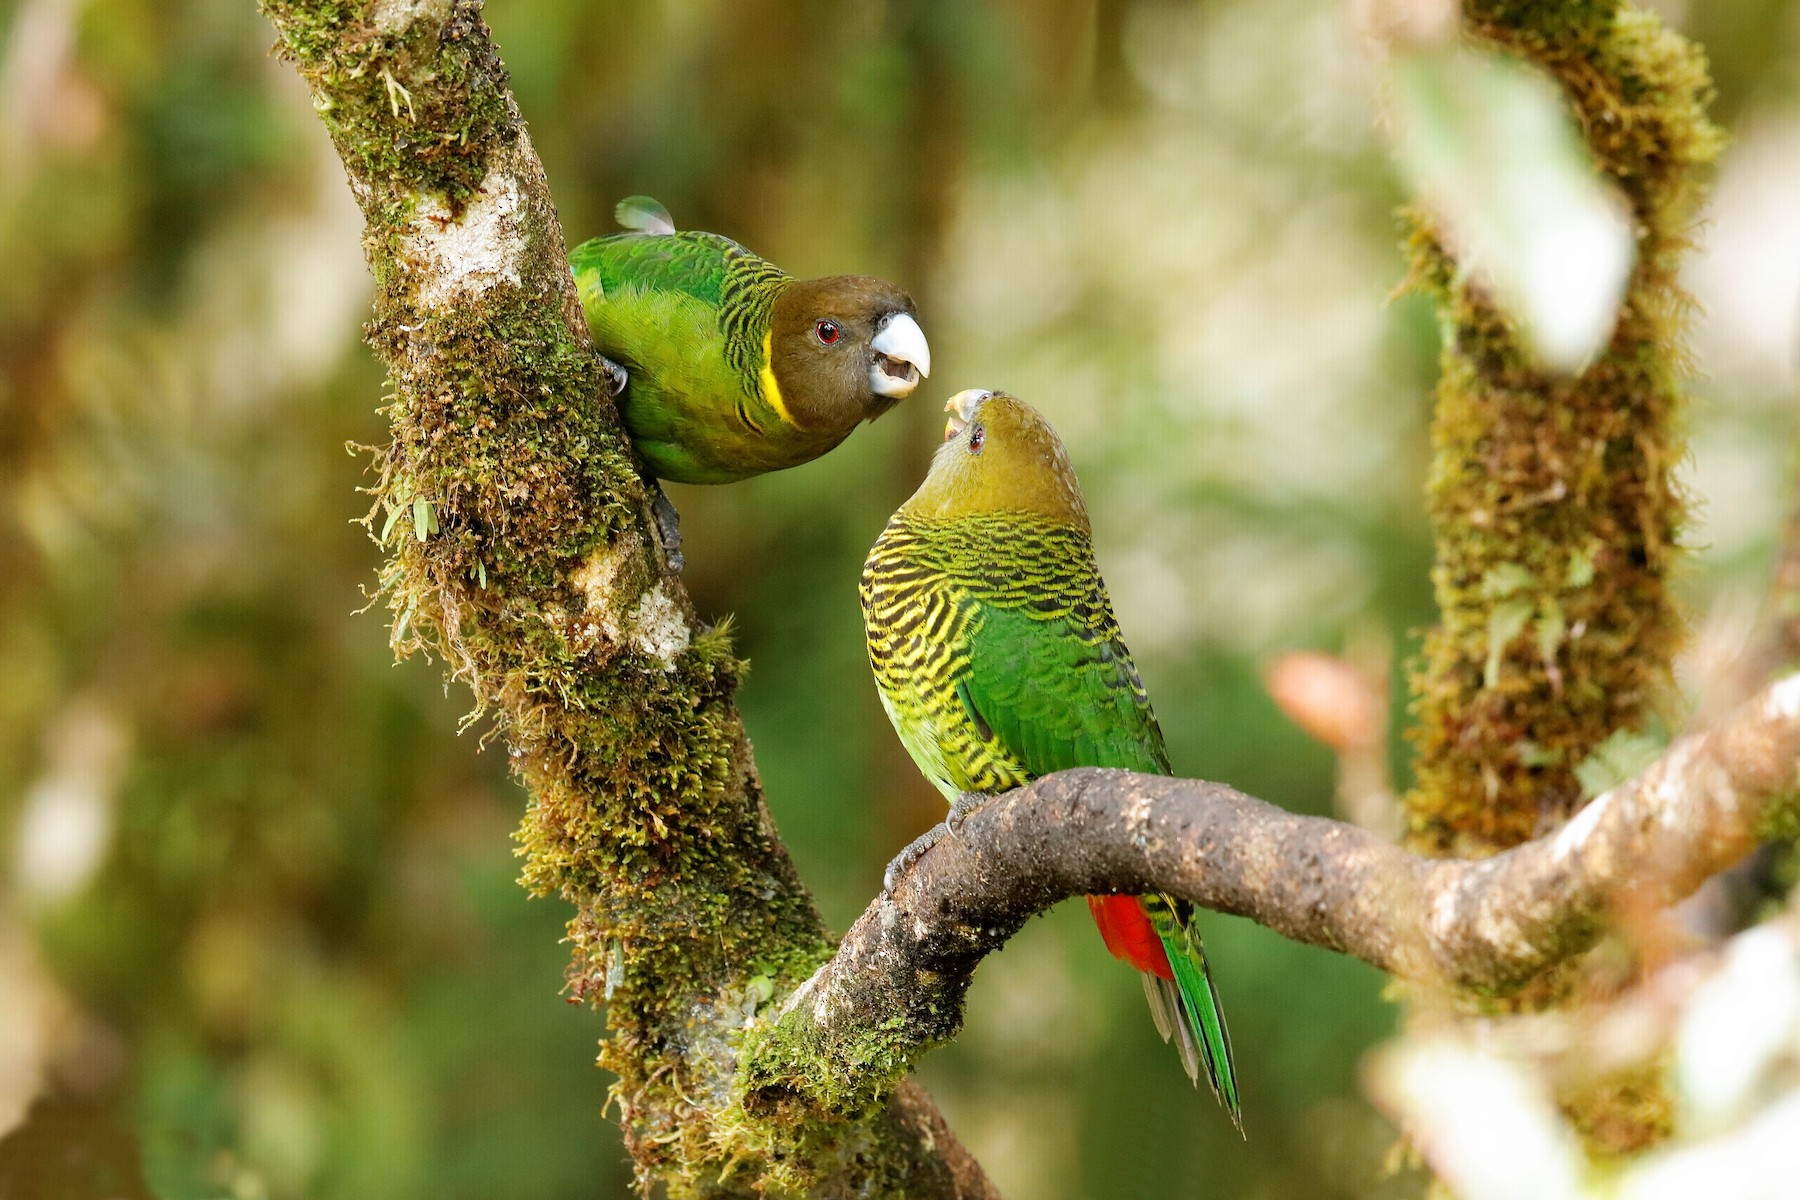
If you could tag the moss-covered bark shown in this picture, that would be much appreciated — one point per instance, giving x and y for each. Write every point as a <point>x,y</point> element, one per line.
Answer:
<point>521,554</point>
<point>1557,513</point>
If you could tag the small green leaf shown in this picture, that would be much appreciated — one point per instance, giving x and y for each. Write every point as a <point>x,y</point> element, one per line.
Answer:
<point>1581,566</point>
<point>1615,760</point>
<point>1504,580</point>
<point>1552,627</point>
<point>1505,623</point>
<point>1490,146</point>
<point>758,991</point>
<point>424,518</point>
<point>1533,755</point>
<point>481,574</point>
<point>388,527</point>
<point>615,968</point>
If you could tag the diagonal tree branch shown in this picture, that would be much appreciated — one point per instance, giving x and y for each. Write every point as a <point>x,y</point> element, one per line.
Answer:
<point>521,553</point>
<point>1487,924</point>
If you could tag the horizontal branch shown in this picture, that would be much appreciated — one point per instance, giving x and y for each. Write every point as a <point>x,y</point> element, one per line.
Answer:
<point>896,984</point>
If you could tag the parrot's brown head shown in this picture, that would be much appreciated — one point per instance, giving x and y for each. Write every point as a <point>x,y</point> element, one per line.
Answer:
<point>999,456</point>
<point>845,349</point>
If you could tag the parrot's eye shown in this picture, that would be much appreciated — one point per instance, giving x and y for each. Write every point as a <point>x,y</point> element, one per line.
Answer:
<point>828,332</point>
<point>976,436</point>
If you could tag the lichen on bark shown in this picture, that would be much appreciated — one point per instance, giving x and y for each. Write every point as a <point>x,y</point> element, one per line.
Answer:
<point>1558,516</point>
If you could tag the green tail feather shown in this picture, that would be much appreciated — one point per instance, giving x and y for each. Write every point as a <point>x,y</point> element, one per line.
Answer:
<point>642,214</point>
<point>1201,1010</point>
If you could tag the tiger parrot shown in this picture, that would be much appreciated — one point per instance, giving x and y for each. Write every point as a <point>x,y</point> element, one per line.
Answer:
<point>998,660</point>
<point>734,367</point>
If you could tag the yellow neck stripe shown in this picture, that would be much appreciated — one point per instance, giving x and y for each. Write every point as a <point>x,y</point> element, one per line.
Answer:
<point>771,391</point>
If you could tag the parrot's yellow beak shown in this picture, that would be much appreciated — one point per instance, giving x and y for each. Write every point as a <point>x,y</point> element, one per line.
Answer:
<point>962,408</point>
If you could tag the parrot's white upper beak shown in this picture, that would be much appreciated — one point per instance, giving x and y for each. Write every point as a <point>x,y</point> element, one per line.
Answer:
<point>962,408</point>
<point>901,357</point>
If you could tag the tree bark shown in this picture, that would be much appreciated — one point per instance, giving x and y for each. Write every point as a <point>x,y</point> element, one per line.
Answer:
<point>522,553</point>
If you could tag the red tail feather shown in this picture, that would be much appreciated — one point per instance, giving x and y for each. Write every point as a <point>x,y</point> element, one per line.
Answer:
<point>1129,935</point>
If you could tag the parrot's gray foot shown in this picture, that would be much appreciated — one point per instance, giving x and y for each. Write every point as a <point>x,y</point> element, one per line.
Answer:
<point>668,527</point>
<point>903,861</point>
<point>950,826</point>
<point>966,803</point>
<point>616,376</point>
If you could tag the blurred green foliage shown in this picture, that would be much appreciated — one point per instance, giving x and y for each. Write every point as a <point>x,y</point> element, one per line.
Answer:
<point>259,934</point>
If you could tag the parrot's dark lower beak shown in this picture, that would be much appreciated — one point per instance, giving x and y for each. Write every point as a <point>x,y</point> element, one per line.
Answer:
<point>897,377</point>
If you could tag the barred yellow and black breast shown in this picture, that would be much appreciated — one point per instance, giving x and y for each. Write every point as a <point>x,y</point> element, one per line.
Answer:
<point>928,587</point>
<point>916,622</point>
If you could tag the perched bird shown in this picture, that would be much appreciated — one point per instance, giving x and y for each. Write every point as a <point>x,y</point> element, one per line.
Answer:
<point>735,367</point>
<point>998,660</point>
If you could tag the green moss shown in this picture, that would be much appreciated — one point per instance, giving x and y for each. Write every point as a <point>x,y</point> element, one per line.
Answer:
<point>413,109</point>
<point>1557,513</point>
<point>512,514</point>
<point>1780,824</point>
<point>788,1068</point>
<point>1621,1113</point>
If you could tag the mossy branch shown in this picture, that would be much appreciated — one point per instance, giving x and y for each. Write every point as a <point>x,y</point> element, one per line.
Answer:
<point>1557,513</point>
<point>896,985</point>
<point>522,554</point>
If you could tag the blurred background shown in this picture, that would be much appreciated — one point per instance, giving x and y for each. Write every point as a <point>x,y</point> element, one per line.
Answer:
<point>259,935</point>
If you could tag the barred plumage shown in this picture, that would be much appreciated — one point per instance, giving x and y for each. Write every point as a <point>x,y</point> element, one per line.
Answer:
<point>746,295</point>
<point>928,590</point>
<point>998,660</point>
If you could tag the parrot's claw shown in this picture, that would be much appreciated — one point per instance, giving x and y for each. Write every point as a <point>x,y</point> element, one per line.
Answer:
<point>903,861</point>
<point>951,826</point>
<point>966,803</point>
<point>616,376</point>
<point>668,527</point>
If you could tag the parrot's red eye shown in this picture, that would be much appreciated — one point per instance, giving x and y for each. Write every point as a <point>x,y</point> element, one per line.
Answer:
<point>976,436</point>
<point>828,332</point>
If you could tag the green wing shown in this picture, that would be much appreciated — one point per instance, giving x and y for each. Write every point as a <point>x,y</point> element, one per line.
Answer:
<point>1058,690</point>
<point>689,263</point>
<point>1051,687</point>
<point>685,314</point>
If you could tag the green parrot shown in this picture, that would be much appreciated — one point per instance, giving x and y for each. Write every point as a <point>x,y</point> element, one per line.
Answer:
<point>734,367</point>
<point>998,660</point>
